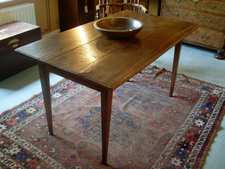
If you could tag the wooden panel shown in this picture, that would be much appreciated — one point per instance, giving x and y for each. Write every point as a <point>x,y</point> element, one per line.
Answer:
<point>54,14</point>
<point>207,38</point>
<point>88,54</point>
<point>47,15</point>
<point>72,13</point>
<point>42,15</point>
<point>21,39</point>
<point>153,7</point>
<point>12,63</point>
<point>16,34</point>
<point>216,7</point>
<point>216,22</point>
<point>208,14</point>
<point>69,14</point>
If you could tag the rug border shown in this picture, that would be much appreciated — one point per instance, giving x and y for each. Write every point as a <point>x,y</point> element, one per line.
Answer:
<point>200,162</point>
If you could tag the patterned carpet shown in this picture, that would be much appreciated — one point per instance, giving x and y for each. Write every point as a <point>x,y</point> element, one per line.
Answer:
<point>149,130</point>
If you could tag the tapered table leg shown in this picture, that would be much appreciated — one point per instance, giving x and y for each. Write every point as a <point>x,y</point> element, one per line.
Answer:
<point>44,77</point>
<point>175,66</point>
<point>106,108</point>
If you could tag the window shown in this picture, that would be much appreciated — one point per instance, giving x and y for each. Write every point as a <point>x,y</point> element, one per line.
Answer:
<point>5,1</point>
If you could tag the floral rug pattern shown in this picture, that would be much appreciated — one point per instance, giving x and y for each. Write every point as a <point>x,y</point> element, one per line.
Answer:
<point>149,130</point>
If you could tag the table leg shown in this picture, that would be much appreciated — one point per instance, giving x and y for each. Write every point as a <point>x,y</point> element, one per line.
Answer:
<point>175,66</point>
<point>44,77</point>
<point>106,109</point>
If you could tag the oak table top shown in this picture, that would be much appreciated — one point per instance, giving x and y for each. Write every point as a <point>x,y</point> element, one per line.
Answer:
<point>88,54</point>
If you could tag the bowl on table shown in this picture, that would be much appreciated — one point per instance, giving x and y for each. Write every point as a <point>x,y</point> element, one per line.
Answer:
<point>118,27</point>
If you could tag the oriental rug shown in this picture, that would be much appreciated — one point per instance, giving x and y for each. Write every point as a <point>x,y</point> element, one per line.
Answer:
<point>149,129</point>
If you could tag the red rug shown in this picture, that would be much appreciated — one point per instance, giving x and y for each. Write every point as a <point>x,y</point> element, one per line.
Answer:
<point>149,130</point>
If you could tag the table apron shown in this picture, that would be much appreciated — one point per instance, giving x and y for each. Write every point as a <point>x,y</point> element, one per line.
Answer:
<point>75,78</point>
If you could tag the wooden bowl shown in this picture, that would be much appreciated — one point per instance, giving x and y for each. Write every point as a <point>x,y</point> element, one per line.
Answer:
<point>118,27</point>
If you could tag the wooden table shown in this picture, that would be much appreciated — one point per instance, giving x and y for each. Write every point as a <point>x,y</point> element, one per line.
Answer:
<point>87,57</point>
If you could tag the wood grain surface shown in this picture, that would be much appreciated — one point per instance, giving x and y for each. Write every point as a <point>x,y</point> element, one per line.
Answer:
<point>86,53</point>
